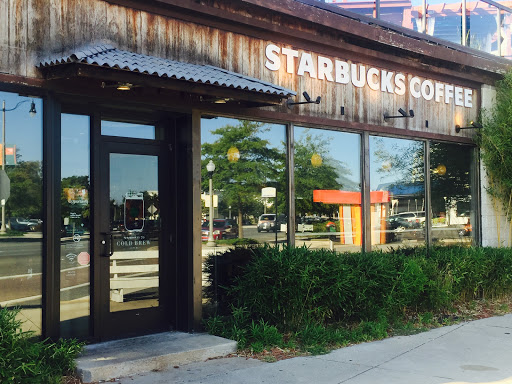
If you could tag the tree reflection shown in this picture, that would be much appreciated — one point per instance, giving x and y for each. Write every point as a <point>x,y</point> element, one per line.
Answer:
<point>327,174</point>
<point>241,180</point>
<point>25,199</point>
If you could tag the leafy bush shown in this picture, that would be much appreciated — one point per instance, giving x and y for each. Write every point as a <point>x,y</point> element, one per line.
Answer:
<point>495,140</point>
<point>222,270</point>
<point>307,292</point>
<point>25,360</point>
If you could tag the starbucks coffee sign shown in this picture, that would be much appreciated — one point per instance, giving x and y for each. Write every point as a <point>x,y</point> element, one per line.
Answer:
<point>359,75</point>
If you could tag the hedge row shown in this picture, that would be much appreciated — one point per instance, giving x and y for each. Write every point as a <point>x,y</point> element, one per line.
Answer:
<point>286,287</point>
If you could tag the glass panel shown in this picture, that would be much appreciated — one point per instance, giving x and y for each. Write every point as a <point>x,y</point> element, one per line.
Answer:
<point>397,192</point>
<point>444,20</point>
<point>249,158</point>
<point>406,14</point>
<point>135,229</point>
<point>328,189</point>
<point>451,193</point>
<point>75,231</point>
<point>120,129</point>
<point>21,242</point>
<point>506,34</point>
<point>361,7</point>
<point>482,27</point>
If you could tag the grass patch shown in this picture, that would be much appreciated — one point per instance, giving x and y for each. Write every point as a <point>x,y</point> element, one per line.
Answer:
<point>10,233</point>
<point>237,241</point>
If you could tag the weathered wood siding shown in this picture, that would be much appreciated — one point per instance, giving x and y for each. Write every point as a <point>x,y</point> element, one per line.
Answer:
<point>34,29</point>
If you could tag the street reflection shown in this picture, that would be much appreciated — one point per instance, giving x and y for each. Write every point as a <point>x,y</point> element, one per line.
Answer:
<point>75,259</point>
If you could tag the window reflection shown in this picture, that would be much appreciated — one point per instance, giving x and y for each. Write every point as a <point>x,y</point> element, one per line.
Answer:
<point>505,41</point>
<point>75,229</point>
<point>250,161</point>
<point>327,189</point>
<point>481,27</point>
<point>450,181</point>
<point>135,230</point>
<point>397,192</point>
<point>406,14</point>
<point>443,20</point>
<point>21,244</point>
<point>366,8</point>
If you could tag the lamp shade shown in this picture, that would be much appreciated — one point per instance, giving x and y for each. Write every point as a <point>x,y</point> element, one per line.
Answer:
<point>210,167</point>
<point>32,111</point>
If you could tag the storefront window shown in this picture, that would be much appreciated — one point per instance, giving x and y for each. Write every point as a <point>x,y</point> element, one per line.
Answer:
<point>397,192</point>
<point>21,233</point>
<point>327,189</point>
<point>450,179</point>
<point>75,227</point>
<point>249,183</point>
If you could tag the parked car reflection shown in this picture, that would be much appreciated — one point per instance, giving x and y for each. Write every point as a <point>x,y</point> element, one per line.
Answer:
<point>21,224</point>
<point>222,229</point>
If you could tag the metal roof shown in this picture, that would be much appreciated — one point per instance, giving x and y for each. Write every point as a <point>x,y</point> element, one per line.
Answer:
<point>110,57</point>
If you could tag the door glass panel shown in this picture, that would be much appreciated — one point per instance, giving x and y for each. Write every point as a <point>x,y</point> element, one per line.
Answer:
<point>121,129</point>
<point>75,225</point>
<point>135,232</point>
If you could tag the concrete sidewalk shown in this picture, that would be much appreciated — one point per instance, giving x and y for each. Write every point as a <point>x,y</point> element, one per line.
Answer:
<point>474,352</point>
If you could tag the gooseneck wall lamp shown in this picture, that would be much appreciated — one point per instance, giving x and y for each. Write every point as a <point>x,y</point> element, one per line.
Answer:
<point>32,112</point>
<point>289,102</point>
<point>402,114</point>
<point>473,125</point>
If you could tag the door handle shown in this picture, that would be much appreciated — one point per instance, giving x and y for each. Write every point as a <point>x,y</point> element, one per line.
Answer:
<point>110,245</point>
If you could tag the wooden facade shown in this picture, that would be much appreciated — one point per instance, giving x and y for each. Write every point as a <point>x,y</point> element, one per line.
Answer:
<point>235,37</point>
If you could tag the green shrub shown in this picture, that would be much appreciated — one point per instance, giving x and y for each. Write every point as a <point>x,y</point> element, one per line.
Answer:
<point>24,359</point>
<point>222,270</point>
<point>286,286</point>
<point>282,291</point>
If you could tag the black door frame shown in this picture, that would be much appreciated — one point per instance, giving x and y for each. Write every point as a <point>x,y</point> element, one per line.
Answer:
<point>107,325</point>
<point>182,288</point>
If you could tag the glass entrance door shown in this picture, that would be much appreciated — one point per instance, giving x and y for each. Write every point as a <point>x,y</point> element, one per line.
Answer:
<point>129,238</point>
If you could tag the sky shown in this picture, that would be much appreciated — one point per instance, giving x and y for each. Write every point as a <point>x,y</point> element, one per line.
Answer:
<point>21,129</point>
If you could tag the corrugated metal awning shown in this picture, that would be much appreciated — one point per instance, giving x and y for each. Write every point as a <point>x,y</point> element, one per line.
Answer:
<point>107,56</point>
